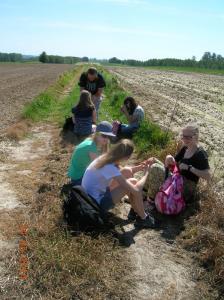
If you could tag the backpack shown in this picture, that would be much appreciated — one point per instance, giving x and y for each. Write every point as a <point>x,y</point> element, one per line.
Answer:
<point>169,200</point>
<point>68,125</point>
<point>81,212</point>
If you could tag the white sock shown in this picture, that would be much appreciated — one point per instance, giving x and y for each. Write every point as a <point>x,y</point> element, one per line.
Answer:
<point>145,216</point>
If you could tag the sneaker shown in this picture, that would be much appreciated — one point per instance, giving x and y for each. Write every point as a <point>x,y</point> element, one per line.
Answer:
<point>132,215</point>
<point>148,222</point>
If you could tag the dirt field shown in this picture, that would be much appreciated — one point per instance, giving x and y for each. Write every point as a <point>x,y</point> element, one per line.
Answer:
<point>196,97</point>
<point>20,83</point>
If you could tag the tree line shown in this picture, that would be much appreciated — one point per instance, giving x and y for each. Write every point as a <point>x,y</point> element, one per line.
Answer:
<point>56,59</point>
<point>11,57</point>
<point>208,61</point>
<point>43,57</point>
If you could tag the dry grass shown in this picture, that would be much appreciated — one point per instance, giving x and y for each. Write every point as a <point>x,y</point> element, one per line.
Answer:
<point>62,266</point>
<point>18,130</point>
<point>204,235</point>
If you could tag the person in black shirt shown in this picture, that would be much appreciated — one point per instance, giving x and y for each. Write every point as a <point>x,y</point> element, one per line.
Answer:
<point>192,160</point>
<point>93,82</point>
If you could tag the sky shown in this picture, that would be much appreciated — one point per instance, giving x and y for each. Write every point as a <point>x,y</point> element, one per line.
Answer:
<point>138,29</point>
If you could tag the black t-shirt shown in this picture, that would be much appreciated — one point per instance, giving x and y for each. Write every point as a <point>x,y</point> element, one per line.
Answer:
<point>198,160</point>
<point>92,86</point>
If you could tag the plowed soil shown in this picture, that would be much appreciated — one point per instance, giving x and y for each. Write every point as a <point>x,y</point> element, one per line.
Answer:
<point>20,83</point>
<point>172,99</point>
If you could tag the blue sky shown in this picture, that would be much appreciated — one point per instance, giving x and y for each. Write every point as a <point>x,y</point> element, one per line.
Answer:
<point>138,29</point>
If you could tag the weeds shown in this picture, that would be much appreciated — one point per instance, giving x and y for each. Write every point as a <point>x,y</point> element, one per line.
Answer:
<point>204,235</point>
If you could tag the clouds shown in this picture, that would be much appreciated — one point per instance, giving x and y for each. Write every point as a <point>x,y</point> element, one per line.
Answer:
<point>102,28</point>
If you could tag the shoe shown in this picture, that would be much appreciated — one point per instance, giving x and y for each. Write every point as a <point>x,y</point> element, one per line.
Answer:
<point>132,215</point>
<point>148,222</point>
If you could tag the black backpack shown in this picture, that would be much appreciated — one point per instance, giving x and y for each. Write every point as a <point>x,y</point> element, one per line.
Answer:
<point>82,213</point>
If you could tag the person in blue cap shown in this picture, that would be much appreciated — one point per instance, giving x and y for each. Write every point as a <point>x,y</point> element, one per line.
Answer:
<point>88,150</point>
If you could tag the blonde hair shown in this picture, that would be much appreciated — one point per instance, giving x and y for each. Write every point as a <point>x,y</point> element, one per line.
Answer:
<point>118,152</point>
<point>192,127</point>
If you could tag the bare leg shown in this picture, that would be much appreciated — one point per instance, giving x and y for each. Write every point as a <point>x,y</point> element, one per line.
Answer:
<point>135,198</point>
<point>126,172</point>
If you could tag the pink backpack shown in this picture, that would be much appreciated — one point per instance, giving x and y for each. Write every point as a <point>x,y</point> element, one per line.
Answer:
<point>169,200</point>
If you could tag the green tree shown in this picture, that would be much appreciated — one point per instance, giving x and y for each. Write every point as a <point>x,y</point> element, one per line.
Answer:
<point>43,57</point>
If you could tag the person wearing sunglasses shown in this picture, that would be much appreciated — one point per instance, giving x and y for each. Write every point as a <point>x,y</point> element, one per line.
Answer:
<point>88,150</point>
<point>192,161</point>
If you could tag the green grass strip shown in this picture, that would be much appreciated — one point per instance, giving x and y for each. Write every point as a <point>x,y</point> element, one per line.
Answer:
<point>149,136</point>
<point>51,104</point>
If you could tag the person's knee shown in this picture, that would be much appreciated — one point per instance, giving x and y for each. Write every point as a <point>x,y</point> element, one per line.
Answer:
<point>127,172</point>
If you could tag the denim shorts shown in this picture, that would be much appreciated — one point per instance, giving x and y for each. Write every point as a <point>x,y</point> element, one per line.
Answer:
<point>106,202</point>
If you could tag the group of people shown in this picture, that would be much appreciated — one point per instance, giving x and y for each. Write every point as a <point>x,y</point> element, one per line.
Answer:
<point>100,167</point>
<point>85,113</point>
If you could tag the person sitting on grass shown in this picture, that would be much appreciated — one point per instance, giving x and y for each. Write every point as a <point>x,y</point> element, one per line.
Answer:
<point>88,150</point>
<point>84,115</point>
<point>134,114</point>
<point>192,161</point>
<point>98,178</point>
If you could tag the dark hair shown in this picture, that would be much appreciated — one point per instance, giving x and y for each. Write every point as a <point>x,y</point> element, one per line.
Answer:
<point>92,71</point>
<point>85,101</point>
<point>132,104</point>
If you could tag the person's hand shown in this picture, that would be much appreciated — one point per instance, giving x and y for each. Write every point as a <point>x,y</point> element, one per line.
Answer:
<point>146,168</point>
<point>150,161</point>
<point>123,108</point>
<point>169,161</point>
<point>183,166</point>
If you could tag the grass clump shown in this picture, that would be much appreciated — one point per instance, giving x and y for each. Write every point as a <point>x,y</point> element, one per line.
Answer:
<point>204,235</point>
<point>150,136</point>
<point>41,107</point>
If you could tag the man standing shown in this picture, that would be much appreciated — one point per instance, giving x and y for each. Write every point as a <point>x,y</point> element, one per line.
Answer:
<point>93,82</point>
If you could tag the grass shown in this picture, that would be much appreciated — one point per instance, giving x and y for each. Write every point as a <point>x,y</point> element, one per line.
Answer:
<point>50,104</point>
<point>64,267</point>
<point>204,235</point>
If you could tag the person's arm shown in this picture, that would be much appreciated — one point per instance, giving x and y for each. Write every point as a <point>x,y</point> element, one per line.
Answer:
<point>94,116</point>
<point>205,174</point>
<point>141,166</point>
<point>92,155</point>
<point>99,92</point>
<point>82,81</point>
<point>126,113</point>
<point>130,187</point>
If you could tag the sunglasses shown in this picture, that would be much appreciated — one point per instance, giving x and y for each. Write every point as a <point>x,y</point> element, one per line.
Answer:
<point>186,137</point>
<point>105,136</point>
